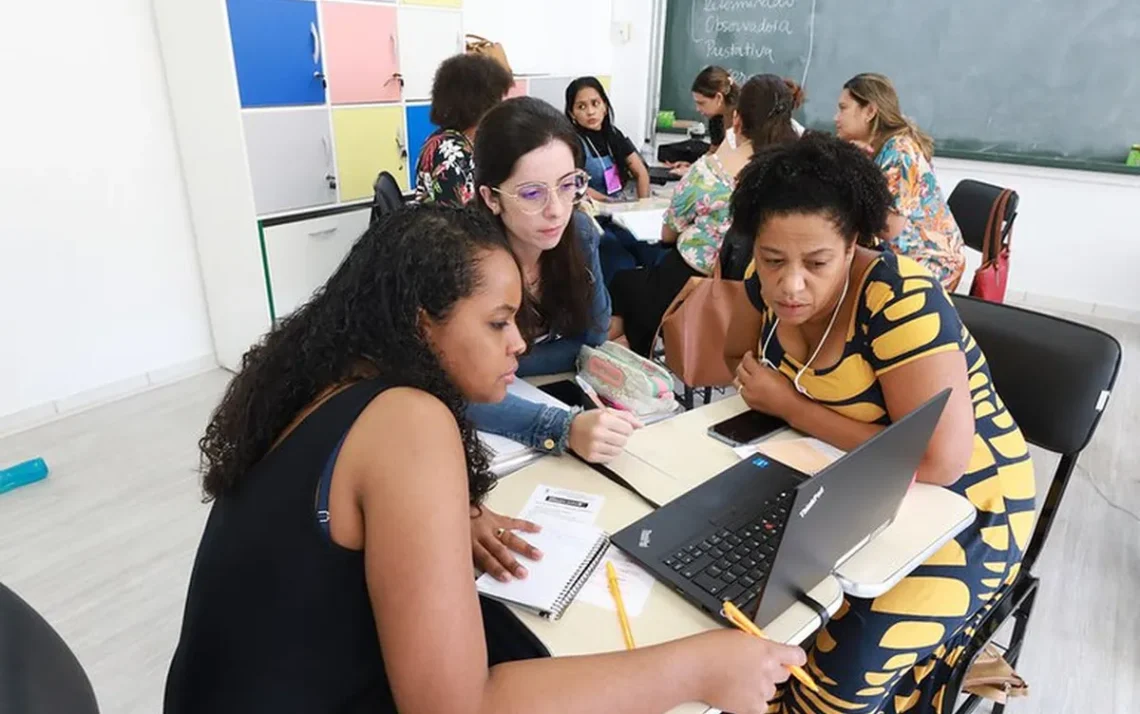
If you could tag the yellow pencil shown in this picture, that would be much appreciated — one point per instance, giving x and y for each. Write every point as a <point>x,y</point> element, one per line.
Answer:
<point>738,618</point>
<point>615,590</point>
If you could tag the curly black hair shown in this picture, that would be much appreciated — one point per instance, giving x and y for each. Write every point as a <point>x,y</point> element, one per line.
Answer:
<point>364,322</point>
<point>819,174</point>
<point>465,88</point>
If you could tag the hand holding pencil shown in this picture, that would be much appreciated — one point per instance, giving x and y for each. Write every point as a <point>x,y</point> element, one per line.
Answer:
<point>743,623</point>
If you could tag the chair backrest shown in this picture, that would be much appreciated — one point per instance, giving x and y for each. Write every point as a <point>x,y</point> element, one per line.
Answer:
<point>971,202</point>
<point>1055,377</point>
<point>386,196</point>
<point>39,674</point>
<point>735,255</point>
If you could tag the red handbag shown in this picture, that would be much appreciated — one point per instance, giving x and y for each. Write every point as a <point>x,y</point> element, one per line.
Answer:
<point>991,278</point>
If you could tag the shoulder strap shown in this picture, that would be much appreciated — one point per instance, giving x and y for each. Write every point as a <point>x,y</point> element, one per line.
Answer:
<point>992,240</point>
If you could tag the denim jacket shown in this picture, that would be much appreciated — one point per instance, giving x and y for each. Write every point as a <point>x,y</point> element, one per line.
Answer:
<point>540,426</point>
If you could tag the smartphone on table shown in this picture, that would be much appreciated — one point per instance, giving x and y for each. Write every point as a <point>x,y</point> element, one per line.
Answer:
<point>746,428</point>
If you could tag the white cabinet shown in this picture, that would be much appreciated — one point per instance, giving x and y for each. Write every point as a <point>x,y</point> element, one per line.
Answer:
<point>427,37</point>
<point>302,255</point>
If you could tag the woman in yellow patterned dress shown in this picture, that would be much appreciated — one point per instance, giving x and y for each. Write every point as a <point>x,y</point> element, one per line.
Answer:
<point>839,340</point>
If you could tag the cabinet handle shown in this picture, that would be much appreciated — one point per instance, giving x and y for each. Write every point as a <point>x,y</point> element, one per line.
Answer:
<point>323,234</point>
<point>316,42</point>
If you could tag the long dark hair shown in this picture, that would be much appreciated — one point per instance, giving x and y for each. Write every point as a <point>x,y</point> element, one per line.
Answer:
<point>607,129</point>
<point>365,321</point>
<point>578,85</point>
<point>765,109</point>
<point>511,130</point>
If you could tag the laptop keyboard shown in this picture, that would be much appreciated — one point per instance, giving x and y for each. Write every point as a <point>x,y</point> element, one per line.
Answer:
<point>733,563</point>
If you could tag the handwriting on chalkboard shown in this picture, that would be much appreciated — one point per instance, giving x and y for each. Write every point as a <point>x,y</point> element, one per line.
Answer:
<point>722,33</point>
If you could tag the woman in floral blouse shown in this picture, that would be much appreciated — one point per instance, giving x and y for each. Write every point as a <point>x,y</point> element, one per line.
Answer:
<point>698,216</point>
<point>920,225</point>
<point>464,89</point>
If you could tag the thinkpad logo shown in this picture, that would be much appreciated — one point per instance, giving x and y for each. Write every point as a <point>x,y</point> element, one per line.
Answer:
<point>643,539</point>
<point>811,503</point>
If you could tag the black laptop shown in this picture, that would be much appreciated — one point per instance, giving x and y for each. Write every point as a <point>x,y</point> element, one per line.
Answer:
<point>762,533</point>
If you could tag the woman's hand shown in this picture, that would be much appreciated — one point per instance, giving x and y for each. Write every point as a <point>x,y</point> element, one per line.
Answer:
<point>747,670</point>
<point>600,435</point>
<point>493,539</point>
<point>764,389</point>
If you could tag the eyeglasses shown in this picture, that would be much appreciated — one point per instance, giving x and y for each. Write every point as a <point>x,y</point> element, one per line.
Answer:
<point>533,197</point>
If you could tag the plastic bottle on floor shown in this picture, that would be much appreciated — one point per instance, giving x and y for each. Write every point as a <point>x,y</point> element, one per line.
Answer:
<point>22,474</point>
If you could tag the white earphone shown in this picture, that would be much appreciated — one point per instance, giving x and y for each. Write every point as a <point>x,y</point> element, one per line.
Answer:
<point>796,380</point>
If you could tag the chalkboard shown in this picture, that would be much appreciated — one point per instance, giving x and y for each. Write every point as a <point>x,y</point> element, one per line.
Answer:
<point>1049,82</point>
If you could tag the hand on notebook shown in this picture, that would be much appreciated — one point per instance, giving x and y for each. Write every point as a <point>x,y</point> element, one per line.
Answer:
<point>600,435</point>
<point>762,388</point>
<point>493,539</point>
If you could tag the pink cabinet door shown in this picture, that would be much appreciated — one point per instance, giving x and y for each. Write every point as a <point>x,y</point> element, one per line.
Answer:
<point>362,59</point>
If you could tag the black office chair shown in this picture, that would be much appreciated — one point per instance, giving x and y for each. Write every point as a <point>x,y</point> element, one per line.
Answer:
<point>971,203</point>
<point>735,255</point>
<point>38,672</point>
<point>1055,377</point>
<point>386,196</point>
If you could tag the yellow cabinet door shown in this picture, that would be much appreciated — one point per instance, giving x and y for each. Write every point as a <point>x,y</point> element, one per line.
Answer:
<point>368,140</point>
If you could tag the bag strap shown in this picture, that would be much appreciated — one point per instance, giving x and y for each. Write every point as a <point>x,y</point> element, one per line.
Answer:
<point>992,240</point>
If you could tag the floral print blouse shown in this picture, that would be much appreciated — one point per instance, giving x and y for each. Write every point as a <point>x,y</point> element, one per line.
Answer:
<point>445,172</point>
<point>699,212</point>
<point>931,236</point>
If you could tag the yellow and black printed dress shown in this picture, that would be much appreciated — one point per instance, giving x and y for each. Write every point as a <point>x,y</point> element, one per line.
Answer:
<point>894,653</point>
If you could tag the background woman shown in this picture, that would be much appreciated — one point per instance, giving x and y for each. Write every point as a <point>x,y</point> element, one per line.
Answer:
<point>920,225</point>
<point>614,166</point>
<point>841,340</point>
<point>465,87</point>
<point>698,216</point>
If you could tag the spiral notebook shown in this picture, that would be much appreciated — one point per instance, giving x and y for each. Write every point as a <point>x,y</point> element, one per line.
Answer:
<point>571,553</point>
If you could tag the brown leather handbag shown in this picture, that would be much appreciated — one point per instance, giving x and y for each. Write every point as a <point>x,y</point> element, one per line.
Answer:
<point>695,328</point>
<point>478,45</point>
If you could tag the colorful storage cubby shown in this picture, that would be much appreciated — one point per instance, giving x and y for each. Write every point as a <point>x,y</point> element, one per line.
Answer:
<point>369,140</point>
<point>418,118</point>
<point>323,86</point>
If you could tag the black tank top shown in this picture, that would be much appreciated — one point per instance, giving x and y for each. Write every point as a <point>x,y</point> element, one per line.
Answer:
<point>278,617</point>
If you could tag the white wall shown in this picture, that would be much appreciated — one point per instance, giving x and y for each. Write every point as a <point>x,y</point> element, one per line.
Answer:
<point>1076,241</point>
<point>629,90</point>
<point>99,282</point>
<point>570,37</point>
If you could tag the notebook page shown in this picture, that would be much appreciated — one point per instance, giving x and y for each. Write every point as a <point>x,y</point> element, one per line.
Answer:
<point>565,547</point>
<point>646,225</point>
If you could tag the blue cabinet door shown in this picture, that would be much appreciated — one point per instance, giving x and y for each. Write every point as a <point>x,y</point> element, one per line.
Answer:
<point>277,52</point>
<point>419,129</point>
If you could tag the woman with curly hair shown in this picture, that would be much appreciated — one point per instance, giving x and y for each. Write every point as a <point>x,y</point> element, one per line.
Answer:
<point>334,574</point>
<point>464,88</point>
<point>840,340</point>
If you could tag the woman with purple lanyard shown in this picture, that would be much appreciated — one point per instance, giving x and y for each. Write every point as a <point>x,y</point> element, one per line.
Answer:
<point>589,110</point>
<point>616,169</point>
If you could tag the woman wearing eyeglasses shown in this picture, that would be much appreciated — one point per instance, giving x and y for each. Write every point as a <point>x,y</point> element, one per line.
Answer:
<point>698,216</point>
<point>528,174</point>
